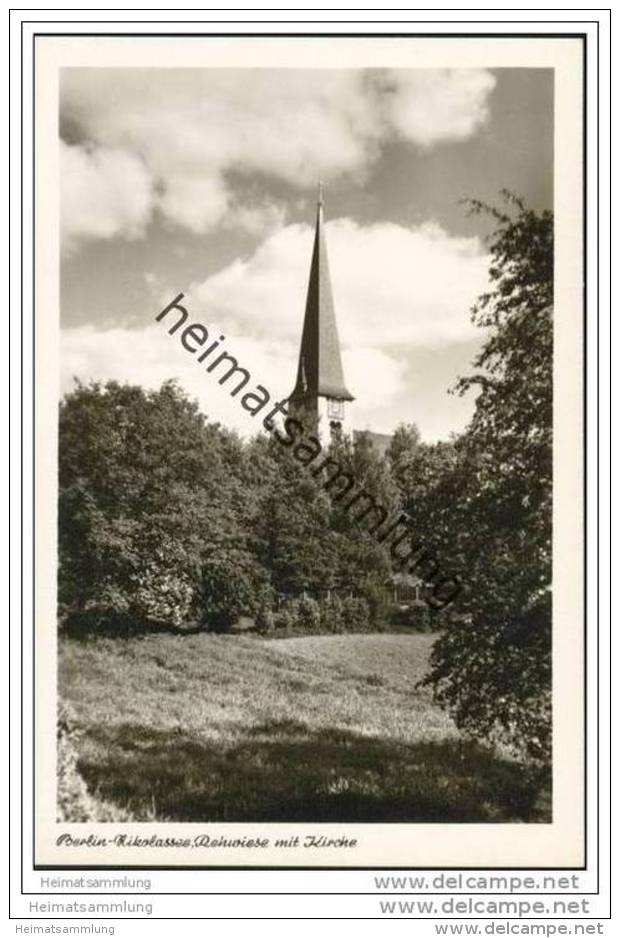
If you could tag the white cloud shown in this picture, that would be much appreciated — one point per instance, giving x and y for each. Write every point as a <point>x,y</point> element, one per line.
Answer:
<point>396,290</point>
<point>430,106</point>
<point>104,192</point>
<point>197,203</point>
<point>393,286</point>
<point>193,128</point>
<point>378,380</point>
<point>385,388</point>
<point>150,356</point>
<point>258,219</point>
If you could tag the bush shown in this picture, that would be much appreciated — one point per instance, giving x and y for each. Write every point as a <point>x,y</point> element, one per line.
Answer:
<point>162,595</point>
<point>377,606</point>
<point>232,585</point>
<point>265,621</point>
<point>97,621</point>
<point>331,614</point>
<point>285,618</point>
<point>355,614</point>
<point>309,614</point>
<point>418,616</point>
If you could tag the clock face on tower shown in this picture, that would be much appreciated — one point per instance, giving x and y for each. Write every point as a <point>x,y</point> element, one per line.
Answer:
<point>335,409</point>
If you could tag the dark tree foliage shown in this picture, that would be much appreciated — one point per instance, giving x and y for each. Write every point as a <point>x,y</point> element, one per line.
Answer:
<point>403,447</point>
<point>167,520</point>
<point>492,666</point>
<point>151,514</point>
<point>294,538</point>
<point>362,563</point>
<point>432,484</point>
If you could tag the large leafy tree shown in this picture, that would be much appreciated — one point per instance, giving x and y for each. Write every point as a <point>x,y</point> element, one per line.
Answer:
<point>363,563</point>
<point>292,522</point>
<point>150,510</point>
<point>492,666</point>
<point>432,486</point>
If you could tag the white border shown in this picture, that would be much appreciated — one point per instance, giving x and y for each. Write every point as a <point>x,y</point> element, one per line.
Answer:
<point>354,879</point>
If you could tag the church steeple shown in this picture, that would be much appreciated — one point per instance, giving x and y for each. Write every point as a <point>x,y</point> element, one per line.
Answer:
<point>319,373</point>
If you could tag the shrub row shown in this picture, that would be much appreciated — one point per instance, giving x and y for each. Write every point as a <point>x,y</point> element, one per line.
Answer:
<point>335,615</point>
<point>308,616</point>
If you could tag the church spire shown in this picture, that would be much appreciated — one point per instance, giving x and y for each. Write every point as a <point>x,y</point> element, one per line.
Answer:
<point>319,373</point>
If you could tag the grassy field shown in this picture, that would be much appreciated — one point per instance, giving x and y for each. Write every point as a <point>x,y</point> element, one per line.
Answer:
<point>235,728</point>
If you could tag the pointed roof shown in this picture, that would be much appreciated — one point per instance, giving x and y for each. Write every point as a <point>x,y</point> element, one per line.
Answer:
<point>319,372</point>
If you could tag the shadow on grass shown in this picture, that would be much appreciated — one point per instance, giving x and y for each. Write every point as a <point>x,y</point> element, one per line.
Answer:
<point>106,623</point>
<point>283,771</point>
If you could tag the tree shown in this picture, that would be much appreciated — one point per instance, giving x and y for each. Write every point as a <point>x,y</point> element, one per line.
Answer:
<point>492,666</point>
<point>292,522</point>
<point>403,447</point>
<point>431,482</point>
<point>363,564</point>
<point>151,529</point>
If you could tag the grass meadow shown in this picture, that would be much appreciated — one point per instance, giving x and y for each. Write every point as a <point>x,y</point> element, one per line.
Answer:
<point>210,727</point>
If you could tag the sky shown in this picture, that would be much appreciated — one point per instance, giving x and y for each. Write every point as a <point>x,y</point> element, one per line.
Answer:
<point>204,182</point>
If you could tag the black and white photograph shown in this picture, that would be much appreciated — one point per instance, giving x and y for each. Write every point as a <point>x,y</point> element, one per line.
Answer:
<point>304,520</point>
